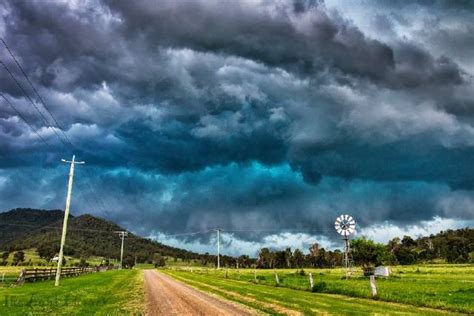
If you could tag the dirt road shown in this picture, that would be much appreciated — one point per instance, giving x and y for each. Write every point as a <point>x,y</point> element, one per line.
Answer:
<point>166,296</point>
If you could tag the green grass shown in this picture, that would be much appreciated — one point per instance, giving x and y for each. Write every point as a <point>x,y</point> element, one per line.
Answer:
<point>281,300</point>
<point>448,287</point>
<point>104,293</point>
<point>178,262</point>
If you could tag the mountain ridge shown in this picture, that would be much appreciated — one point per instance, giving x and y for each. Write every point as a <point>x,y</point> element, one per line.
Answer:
<point>88,235</point>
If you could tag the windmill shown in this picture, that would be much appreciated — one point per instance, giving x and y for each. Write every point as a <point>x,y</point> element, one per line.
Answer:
<point>345,226</point>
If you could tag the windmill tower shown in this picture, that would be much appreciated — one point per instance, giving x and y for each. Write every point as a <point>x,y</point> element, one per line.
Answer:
<point>345,226</point>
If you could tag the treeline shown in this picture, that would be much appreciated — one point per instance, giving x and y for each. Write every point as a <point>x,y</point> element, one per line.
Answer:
<point>452,246</point>
<point>318,257</point>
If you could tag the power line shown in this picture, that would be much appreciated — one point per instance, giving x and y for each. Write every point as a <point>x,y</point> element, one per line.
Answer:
<point>25,120</point>
<point>45,120</point>
<point>20,224</point>
<point>277,230</point>
<point>34,89</point>
<point>99,203</point>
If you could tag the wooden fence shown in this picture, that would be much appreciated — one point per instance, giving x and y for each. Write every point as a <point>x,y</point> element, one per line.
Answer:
<point>32,275</point>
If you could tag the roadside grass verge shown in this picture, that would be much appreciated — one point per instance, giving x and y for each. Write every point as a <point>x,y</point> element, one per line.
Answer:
<point>281,300</point>
<point>104,293</point>
<point>449,287</point>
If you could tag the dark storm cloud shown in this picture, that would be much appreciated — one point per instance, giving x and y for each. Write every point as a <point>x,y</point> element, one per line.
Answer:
<point>197,114</point>
<point>303,40</point>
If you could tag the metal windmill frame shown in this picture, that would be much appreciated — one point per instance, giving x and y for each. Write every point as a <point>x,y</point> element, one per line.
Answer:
<point>345,226</point>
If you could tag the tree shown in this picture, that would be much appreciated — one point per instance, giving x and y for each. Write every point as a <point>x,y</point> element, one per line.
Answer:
<point>18,257</point>
<point>288,257</point>
<point>314,250</point>
<point>334,258</point>
<point>280,259</point>
<point>408,242</point>
<point>405,251</point>
<point>128,261</point>
<point>159,261</point>
<point>244,261</point>
<point>298,258</point>
<point>47,251</point>
<point>457,250</point>
<point>265,259</point>
<point>368,253</point>
<point>5,255</point>
<point>83,263</point>
<point>321,261</point>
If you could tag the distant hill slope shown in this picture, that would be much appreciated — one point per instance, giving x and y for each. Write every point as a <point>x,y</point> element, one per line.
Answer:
<point>87,236</point>
<point>19,223</point>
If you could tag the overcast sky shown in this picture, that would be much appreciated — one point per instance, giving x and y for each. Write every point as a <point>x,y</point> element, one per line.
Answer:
<point>267,119</point>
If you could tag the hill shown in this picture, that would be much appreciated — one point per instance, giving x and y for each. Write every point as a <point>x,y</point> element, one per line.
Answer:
<point>87,236</point>
<point>19,223</point>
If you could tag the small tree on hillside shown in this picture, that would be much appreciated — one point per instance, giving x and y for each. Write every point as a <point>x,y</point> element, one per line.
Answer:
<point>5,255</point>
<point>47,251</point>
<point>18,257</point>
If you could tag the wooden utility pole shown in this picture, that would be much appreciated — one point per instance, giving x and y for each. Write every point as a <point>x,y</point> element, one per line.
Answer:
<point>122,235</point>
<point>218,249</point>
<point>66,216</point>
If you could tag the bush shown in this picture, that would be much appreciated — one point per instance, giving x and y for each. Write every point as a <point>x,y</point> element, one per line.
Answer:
<point>368,271</point>
<point>319,287</point>
<point>18,257</point>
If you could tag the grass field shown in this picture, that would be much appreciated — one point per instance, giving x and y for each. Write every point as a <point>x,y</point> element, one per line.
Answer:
<point>424,289</point>
<point>105,293</point>
<point>447,287</point>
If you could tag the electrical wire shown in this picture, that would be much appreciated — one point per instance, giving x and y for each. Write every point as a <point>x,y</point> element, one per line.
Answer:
<point>66,141</point>
<point>25,120</point>
<point>45,120</point>
<point>34,89</point>
<point>20,224</point>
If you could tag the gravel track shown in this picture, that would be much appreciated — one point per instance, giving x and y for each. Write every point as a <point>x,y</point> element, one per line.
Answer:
<point>166,296</point>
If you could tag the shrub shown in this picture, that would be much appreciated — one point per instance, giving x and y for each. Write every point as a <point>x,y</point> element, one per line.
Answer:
<point>368,270</point>
<point>18,257</point>
<point>319,287</point>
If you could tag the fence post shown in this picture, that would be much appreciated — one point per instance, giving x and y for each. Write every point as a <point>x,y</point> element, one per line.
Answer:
<point>373,286</point>
<point>21,278</point>
<point>276,278</point>
<point>311,281</point>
